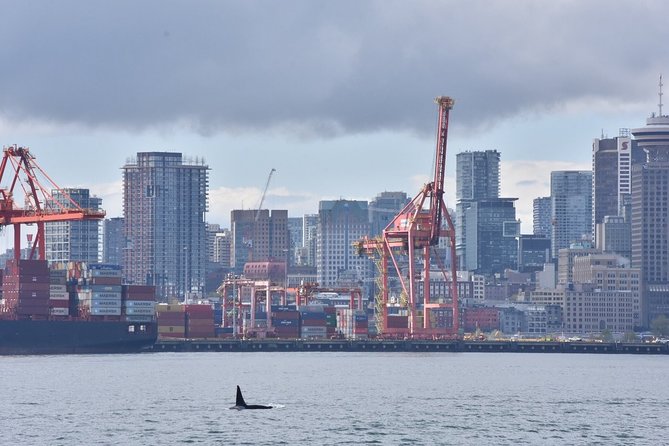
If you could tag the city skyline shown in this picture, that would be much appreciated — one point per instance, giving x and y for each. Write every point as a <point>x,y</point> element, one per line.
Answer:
<point>331,107</point>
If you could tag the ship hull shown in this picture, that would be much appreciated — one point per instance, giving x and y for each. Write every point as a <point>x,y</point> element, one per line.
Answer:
<point>26,337</point>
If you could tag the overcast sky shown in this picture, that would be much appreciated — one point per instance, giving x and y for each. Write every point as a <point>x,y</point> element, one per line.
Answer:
<point>336,96</point>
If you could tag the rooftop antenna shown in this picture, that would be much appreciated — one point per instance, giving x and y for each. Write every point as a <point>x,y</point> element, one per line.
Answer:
<point>660,95</point>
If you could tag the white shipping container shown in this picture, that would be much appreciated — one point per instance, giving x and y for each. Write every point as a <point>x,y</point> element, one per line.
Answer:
<point>59,311</point>
<point>313,332</point>
<point>104,273</point>
<point>57,288</point>
<point>91,295</point>
<point>106,311</point>
<point>134,318</point>
<point>105,288</point>
<point>140,303</point>
<point>103,303</point>
<point>140,311</point>
<point>57,295</point>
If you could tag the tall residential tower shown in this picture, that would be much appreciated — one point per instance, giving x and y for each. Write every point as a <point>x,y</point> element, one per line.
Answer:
<point>164,204</point>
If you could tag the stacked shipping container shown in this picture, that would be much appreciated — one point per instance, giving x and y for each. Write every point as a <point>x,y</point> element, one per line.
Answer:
<point>59,297</point>
<point>185,321</point>
<point>353,324</point>
<point>100,291</point>
<point>199,320</point>
<point>286,321</point>
<point>25,287</point>
<point>139,302</point>
<point>314,322</point>
<point>171,321</point>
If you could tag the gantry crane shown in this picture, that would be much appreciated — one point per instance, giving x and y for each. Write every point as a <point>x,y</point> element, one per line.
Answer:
<point>408,238</point>
<point>20,170</point>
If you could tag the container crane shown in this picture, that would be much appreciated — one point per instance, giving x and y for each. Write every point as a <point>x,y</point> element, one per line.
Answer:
<point>408,238</point>
<point>20,169</point>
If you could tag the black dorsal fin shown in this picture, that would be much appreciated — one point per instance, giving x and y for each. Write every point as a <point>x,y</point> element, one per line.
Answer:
<point>240,398</point>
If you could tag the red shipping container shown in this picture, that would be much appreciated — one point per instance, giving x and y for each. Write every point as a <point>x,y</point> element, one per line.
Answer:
<point>140,297</point>
<point>23,309</point>
<point>59,303</point>
<point>314,323</point>
<point>198,309</point>
<point>28,286</point>
<point>171,317</point>
<point>398,321</point>
<point>198,324</point>
<point>140,289</point>
<point>38,267</point>
<point>24,294</point>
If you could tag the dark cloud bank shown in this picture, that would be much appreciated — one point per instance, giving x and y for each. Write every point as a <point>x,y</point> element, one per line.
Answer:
<point>320,67</point>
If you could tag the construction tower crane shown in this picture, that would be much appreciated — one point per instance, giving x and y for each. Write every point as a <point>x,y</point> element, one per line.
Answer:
<point>264,192</point>
<point>408,239</point>
<point>20,170</point>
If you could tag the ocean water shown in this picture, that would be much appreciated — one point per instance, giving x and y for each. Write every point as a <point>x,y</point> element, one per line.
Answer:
<point>335,399</point>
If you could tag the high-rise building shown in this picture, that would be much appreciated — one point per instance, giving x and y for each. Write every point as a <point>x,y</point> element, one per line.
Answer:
<point>611,177</point>
<point>613,235</point>
<point>383,208</point>
<point>295,228</point>
<point>73,240</point>
<point>218,247</point>
<point>222,248</point>
<point>309,239</point>
<point>114,241</point>
<point>533,252</point>
<point>541,216</point>
<point>477,178</point>
<point>477,175</point>
<point>650,214</point>
<point>571,208</point>
<point>491,233</point>
<point>164,204</point>
<point>259,236</point>
<point>341,223</point>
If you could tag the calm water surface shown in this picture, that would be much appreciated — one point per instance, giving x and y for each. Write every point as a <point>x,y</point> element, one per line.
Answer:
<point>335,399</point>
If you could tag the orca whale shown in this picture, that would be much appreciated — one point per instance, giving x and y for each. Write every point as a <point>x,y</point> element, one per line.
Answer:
<point>241,404</point>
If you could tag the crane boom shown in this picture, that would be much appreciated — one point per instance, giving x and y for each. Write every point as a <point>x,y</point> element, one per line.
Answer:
<point>445,105</point>
<point>264,192</point>
<point>20,168</point>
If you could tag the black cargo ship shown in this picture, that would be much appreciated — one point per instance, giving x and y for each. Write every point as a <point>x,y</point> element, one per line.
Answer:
<point>20,337</point>
<point>79,308</point>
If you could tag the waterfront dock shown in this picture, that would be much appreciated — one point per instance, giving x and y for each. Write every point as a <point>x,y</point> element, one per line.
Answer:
<point>299,345</point>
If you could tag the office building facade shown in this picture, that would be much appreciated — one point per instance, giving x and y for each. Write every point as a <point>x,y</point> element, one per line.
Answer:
<point>114,241</point>
<point>477,177</point>
<point>79,241</point>
<point>340,224</point>
<point>259,236</point>
<point>571,208</point>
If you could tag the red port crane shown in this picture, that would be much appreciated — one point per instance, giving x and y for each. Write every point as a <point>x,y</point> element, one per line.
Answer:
<point>19,171</point>
<point>407,242</point>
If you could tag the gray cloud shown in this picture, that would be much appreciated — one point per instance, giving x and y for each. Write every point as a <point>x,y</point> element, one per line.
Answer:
<point>320,67</point>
